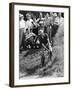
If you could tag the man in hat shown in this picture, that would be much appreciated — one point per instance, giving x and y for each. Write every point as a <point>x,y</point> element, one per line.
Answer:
<point>44,40</point>
<point>21,30</point>
<point>51,18</point>
<point>61,19</point>
<point>47,23</point>
<point>55,24</point>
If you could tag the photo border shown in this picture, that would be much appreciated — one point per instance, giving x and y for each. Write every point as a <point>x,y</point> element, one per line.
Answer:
<point>11,44</point>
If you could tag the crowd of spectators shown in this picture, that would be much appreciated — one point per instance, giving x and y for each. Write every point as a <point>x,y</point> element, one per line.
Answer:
<point>35,32</point>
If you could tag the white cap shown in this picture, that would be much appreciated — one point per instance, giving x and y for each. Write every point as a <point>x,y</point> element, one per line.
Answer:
<point>21,15</point>
<point>55,14</point>
<point>28,15</point>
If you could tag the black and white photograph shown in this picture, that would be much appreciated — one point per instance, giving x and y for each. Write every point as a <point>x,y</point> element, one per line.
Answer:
<point>41,44</point>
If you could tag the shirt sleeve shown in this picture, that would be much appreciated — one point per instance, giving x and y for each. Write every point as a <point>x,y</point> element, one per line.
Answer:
<point>56,22</point>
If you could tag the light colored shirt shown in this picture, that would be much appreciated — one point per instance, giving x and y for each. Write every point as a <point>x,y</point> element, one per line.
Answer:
<point>22,25</point>
<point>28,24</point>
<point>51,20</point>
<point>61,20</point>
<point>47,21</point>
<point>56,21</point>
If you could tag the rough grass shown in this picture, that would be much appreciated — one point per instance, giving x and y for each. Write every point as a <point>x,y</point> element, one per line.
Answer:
<point>30,61</point>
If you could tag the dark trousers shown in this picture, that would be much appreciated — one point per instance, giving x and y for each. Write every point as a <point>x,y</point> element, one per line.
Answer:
<point>21,38</point>
<point>54,30</point>
<point>49,31</point>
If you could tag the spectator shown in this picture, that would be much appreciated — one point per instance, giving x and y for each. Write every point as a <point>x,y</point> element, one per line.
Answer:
<point>56,19</point>
<point>29,39</point>
<point>55,24</point>
<point>29,22</point>
<point>35,26</point>
<point>40,18</point>
<point>21,29</point>
<point>47,23</point>
<point>61,19</point>
<point>51,25</point>
<point>51,18</point>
